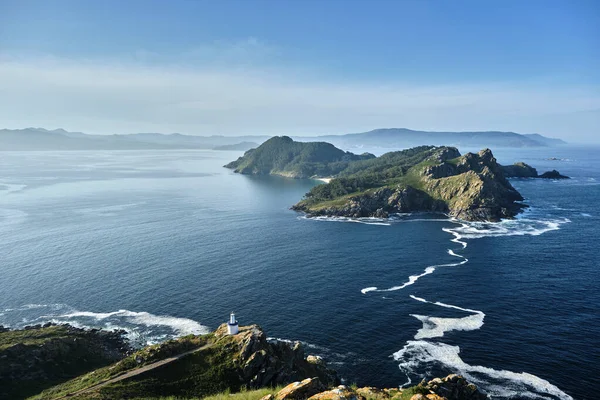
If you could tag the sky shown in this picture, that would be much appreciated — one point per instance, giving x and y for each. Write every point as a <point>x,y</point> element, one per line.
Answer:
<point>301,67</point>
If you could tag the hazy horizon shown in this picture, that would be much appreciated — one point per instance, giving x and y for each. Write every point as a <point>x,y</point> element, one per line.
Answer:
<point>236,68</point>
<point>258,134</point>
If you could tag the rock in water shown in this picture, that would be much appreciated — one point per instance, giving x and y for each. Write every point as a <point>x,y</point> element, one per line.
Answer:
<point>554,174</point>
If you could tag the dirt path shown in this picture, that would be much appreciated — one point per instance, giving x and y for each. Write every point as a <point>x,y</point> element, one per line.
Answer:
<point>135,372</point>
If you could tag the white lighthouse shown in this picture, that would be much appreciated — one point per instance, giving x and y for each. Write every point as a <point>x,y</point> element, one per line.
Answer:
<point>232,325</point>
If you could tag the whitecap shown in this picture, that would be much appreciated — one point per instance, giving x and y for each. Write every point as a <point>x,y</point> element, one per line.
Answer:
<point>586,215</point>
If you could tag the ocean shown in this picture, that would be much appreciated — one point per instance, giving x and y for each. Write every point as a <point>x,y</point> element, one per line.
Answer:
<point>167,243</point>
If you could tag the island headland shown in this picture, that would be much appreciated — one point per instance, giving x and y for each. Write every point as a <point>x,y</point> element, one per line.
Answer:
<point>472,187</point>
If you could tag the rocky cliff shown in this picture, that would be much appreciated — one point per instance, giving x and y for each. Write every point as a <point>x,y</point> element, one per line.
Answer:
<point>200,366</point>
<point>469,187</point>
<point>260,362</point>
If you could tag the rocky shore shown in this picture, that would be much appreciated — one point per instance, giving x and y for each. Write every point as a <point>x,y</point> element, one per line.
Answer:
<point>452,387</point>
<point>470,187</point>
<point>190,367</point>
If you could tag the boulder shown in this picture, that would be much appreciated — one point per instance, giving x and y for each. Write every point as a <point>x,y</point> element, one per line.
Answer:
<point>300,390</point>
<point>373,393</point>
<point>315,360</point>
<point>454,387</point>
<point>339,393</point>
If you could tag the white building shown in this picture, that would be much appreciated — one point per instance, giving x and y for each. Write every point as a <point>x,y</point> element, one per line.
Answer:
<point>232,325</point>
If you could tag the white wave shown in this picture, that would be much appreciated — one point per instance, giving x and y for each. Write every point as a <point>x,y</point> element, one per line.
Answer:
<point>413,278</point>
<point>142,327</point>
<point>514,227</point>
<point>366,220</point>
<point>420,354</point>
<point>436,326</point>
<point>586,215</point>
<point>181,326</point>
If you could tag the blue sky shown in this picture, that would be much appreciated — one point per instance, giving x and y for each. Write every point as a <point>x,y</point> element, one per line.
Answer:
<point>302,67</point>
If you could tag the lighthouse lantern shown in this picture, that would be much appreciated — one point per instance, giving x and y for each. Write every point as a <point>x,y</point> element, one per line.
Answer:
<point>232,325</point>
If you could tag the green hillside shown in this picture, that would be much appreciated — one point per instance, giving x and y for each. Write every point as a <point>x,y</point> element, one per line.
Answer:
<point>282,156</point>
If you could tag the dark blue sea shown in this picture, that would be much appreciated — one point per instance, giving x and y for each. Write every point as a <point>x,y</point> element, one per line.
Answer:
<point>166,243</point>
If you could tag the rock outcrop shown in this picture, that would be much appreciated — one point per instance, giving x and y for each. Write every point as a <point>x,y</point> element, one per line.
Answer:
<point>470,187</point>
<point>261,362</point>
<point>554,174</point>
<point>452,387</point>
<point>522,170</point>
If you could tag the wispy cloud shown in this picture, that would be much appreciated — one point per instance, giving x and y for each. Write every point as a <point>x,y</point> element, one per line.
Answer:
<point>106,97</point>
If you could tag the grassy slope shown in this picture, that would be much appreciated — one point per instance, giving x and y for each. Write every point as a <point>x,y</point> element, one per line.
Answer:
<point>148,355</point>
<point>447,189</point>
<point>43,357</point>
<point>33,337</point>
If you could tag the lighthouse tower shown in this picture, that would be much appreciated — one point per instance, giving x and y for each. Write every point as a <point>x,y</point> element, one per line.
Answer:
<point>232,325</point>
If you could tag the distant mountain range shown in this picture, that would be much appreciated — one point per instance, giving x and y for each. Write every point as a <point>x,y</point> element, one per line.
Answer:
<point>394,138</point>
<point>401,138</point>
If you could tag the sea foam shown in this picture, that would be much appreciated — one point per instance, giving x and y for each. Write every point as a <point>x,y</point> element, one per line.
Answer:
<point>142,327</point>
<point>437,326</point>
<point>418,356</point>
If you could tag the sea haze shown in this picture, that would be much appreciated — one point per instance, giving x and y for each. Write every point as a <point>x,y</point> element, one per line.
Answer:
<point>166,243</point>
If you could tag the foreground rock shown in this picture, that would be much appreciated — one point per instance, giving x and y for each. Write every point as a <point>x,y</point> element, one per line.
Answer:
<point>452,387</point>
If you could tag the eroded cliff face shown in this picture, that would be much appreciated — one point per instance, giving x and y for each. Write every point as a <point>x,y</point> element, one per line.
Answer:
<point>470,187</point>
<point>261,362</point>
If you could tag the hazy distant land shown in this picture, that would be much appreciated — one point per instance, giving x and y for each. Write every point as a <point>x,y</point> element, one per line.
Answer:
<point>395,138</point>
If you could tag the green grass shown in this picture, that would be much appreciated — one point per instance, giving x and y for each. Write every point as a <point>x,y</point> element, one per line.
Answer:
<point>411,391</point>
<point>32,337</point>
<point>245,394</point>
<point>149,355</point>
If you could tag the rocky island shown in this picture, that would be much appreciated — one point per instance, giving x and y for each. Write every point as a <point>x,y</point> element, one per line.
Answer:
<point>471,187</point>
<point>190,367</point>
